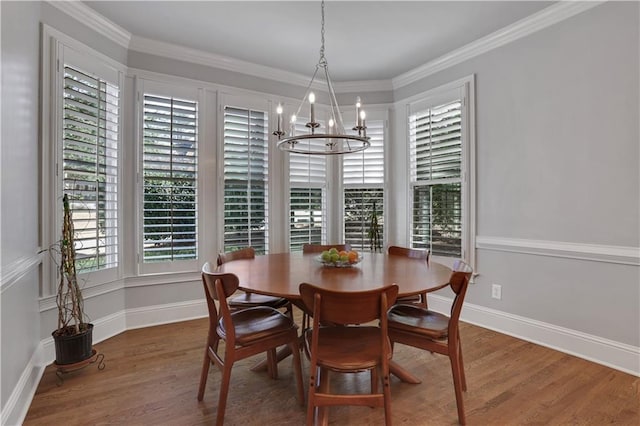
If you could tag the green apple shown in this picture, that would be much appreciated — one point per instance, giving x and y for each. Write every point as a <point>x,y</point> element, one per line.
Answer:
<point>326,256</point>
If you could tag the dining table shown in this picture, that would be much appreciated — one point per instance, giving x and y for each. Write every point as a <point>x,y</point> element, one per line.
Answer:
<point>280,274</point>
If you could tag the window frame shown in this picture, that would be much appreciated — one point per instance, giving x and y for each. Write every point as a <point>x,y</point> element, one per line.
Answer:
<point>463,89</point>
<point>254,103</point>
<point>58,49</point>
<point>170,90</point>
<point>309,185</point>
<point>380,115</point>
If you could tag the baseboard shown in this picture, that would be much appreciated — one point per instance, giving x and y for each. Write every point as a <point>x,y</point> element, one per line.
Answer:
<point>613,354</point>
<point>15,410</point>
<point>164,314</point>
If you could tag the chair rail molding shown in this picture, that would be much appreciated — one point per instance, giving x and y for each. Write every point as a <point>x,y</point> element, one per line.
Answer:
<point>594,252</point>
<point>619,356</point>
<point>17,269</point>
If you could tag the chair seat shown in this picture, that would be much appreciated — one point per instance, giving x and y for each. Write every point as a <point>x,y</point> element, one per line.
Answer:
<point>250,300</point>
<point>417,320</point>
<point>253,324</point>
<point>409,299</point>
<point>347,348</point>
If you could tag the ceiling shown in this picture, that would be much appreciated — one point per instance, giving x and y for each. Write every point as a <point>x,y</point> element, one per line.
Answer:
<point>364,40</point>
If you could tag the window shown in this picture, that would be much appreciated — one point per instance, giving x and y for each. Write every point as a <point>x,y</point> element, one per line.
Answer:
<point>169,163</point>
<point>363,175</point>
<point>307,204</point>
<point>438,170</point>
<point>90,129</point>
<point>245,179</point>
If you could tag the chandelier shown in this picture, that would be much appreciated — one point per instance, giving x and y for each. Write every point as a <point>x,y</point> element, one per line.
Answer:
<point>316,140</point>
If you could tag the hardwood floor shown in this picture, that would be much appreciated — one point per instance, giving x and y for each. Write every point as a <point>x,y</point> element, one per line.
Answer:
<point>152,375</point>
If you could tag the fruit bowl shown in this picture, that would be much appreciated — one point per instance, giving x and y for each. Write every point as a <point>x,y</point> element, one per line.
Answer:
<point>338,263</point>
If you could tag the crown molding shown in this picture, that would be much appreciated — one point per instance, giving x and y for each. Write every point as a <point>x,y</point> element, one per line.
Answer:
<point>363,86</point>
<point>174,51</point>
<point>181,53</point>
<point>89,17</point>
<point>546,17</point>
<point>551,15</point>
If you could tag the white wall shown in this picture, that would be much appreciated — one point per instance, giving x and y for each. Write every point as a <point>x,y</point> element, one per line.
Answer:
<point>558,162</point>
<point>19,197</point>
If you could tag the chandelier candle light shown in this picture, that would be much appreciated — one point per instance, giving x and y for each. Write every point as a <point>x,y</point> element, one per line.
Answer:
<point>315,142</point>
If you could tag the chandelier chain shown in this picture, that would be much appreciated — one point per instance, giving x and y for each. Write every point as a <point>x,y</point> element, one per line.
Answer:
<point>322,60</point>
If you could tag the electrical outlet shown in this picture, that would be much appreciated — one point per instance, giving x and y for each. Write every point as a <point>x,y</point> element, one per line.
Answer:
<point>496,291</point>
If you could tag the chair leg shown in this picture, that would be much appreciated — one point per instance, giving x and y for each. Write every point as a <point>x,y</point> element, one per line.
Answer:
<point>289,311</point>
<point>272,363</point>
<point>297,369</point>
<point>204,374</point>
<point>323,411</point>
<point>457,385</point>
<point>374,380</point>
<point>224,392</point>
<point>386,390</point>
<point>462,375</point>
<point>313,383</point>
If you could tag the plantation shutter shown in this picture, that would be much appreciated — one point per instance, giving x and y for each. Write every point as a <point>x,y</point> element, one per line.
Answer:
<point>170,179</point>
<point>307,204</point>
<point>363,175</point>
<point>90,166</point>
<point>245,179</point>
<point>436,164</point>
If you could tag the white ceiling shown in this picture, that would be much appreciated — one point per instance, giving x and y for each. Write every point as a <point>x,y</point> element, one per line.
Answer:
<point>365,40</point>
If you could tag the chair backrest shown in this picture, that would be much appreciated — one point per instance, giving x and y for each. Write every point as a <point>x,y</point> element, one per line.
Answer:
<point>319,248</point>
<point>458,281</point>
<point>244,253</point>
<point>344,308</point>
<point>218,286</point>
<point>409,252</point>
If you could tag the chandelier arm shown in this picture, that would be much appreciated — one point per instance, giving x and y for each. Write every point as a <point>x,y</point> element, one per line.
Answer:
<point>334,102</point>
<point>306,93</point>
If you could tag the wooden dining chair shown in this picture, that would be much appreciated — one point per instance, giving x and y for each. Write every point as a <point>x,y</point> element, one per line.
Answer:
<point>246,332</point>
<point>418,299</point>
<point>337,343</point>
<point>419,327</point>
<point>248,299</point>
<point>319,248</point>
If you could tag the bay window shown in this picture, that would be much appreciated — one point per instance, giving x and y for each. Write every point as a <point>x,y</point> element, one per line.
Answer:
<point>169,188</point>
<point>246,171</point>
<point>440,156</point>
<point>363,178</point>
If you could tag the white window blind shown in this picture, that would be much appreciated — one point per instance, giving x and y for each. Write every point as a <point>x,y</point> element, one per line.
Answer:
<point>436,174</point>
<point>170,179</point>
<point>90,166</point>
<point>245,179</point>
<point>363,174</point>
<point>307,205</point>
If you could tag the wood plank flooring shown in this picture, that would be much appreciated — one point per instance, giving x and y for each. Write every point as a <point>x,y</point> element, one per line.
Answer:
<point>152,375</point>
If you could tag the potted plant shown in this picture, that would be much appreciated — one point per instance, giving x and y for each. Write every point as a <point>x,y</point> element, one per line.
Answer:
<point>74,336</point>
<point>375,237</point>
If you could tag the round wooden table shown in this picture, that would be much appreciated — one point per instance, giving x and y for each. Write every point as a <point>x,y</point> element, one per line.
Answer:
<point>281,274</point>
